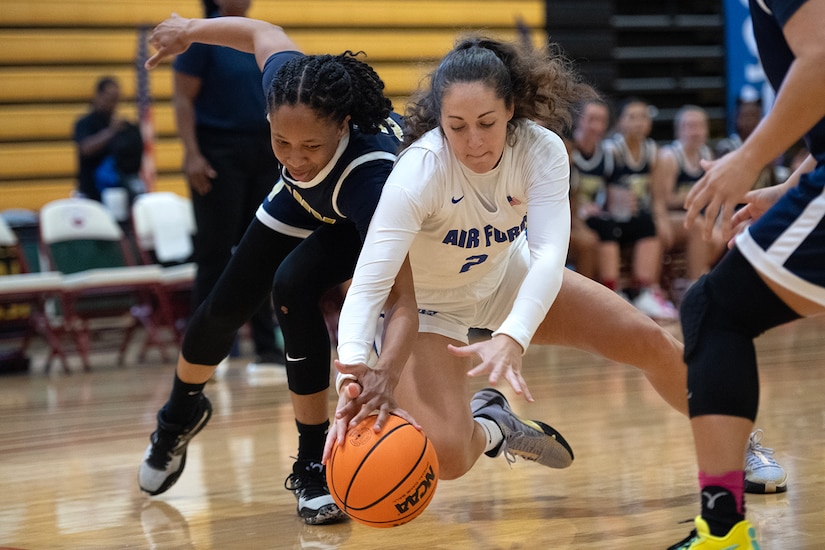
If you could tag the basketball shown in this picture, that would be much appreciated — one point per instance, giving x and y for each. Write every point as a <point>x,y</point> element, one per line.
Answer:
<point>383,479</point>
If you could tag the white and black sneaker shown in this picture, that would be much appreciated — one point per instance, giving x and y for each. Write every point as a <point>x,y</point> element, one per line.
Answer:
<point>308,482</point>
<point>165,456</point>
<point>529,439</point>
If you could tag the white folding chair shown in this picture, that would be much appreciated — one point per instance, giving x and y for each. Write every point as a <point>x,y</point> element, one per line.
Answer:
<point>103,289</point>
<point>164,224</point>
<point>23,295</point>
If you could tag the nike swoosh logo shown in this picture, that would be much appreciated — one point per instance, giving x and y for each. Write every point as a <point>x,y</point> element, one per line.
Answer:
<point>193,393</point>
<point>293,359</point>
<point>457,200</point>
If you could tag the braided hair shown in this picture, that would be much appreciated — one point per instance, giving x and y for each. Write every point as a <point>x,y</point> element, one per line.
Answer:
<point>540,85</point>
<point>334,87</point>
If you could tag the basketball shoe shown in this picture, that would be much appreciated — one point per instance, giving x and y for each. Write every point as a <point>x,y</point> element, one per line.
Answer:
<point>165,456</point>
<point>652,303</point>
<point>763,474</point>
<point>308,481</point>
<point>529,439</point>
<point>742,536</point>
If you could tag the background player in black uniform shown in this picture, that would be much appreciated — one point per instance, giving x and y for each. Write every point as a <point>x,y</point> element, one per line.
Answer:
<point>333,132</point>
<point>591,168</point>
<point>679,169</point>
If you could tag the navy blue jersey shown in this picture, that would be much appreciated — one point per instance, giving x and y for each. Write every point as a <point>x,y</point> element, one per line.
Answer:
<point>592,173</point>
<point>786,243</point>
<point>634,174</point>
<point>346,190</point>
<point>776,56</point>
<point>687,175</point>
<point>239,108</point>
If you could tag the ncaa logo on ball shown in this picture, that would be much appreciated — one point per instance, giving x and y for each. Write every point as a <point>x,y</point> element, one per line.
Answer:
<point>417,495</point>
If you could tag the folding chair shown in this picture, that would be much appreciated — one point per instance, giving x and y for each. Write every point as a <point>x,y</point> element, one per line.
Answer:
<point>22,304</point>
<point>103,290</point>
<point>163,225</point>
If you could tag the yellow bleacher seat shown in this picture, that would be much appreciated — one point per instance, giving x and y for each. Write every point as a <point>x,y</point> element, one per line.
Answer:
<point>286,13</point>
<point>52,53</point>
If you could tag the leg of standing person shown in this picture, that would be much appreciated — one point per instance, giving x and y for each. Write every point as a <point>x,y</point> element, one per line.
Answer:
<point>722,314</point>
<point>263,172</point>
<point>214,239</point>
<point>245,283</point>
<point>322,261</point>
<point>222,214</point>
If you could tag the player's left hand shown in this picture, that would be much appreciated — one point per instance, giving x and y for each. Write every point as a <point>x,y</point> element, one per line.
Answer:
<point>168,39</point>
<point>717,193</point>
<point>371,392</point>
<point>501,357</point>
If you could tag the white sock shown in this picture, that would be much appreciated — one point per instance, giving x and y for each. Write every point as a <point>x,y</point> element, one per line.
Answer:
<point>492,431</point>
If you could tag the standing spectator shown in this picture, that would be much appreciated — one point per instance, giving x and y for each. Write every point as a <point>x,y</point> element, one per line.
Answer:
<point>774,274</point>
<point>220,111</point>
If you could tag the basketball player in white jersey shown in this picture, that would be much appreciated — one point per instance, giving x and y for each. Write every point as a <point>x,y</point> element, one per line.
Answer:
<point>477,175</point>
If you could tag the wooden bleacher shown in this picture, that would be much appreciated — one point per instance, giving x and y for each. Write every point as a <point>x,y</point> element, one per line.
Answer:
<point>52,52</point>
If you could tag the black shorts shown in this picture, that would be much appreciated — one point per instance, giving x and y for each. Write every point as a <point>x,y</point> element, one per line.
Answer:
<point>635,229</point>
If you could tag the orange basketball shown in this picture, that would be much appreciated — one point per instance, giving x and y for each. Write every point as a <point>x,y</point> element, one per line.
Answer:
<point>383,479</point>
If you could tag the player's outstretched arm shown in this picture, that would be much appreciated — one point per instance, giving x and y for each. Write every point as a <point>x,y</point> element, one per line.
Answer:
<point>174,35</point>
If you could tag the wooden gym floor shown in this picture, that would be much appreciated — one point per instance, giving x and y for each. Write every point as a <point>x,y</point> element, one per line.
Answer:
<point>70,446</point>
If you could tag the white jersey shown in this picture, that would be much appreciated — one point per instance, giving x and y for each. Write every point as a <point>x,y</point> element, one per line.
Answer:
<point>458,227</point>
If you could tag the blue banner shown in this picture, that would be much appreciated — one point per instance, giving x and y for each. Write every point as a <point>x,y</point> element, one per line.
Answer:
<point>745,77</point>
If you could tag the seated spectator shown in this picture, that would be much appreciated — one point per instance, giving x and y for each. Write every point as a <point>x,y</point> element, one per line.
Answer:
<point>747,117</point>
<point>628,217</point>
<point>591,167</point>
<point>109,148</point>
<point>678,169</point>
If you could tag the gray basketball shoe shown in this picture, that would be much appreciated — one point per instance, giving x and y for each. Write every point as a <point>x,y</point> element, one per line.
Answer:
<point>165,456</point>
<point>529,439</point>
<point>308,482</point>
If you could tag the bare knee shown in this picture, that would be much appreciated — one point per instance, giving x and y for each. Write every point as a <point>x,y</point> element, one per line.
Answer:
<point>454,460</point>
<point>661,350</point>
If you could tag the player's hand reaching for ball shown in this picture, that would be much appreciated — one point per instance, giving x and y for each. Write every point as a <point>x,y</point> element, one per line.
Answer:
<point>500,357</point>
<point>371,391</point>
<point>169,39</point>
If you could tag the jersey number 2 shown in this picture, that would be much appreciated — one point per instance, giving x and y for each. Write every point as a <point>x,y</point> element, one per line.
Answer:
<point>471,261</point>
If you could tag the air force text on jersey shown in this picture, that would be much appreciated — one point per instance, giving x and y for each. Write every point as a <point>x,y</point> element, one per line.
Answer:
<point>472,238</point>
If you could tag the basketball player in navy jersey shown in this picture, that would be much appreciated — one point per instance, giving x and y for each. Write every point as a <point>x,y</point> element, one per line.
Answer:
<point>775,272</point>
<point>679,169</point>
<point>334,134</point>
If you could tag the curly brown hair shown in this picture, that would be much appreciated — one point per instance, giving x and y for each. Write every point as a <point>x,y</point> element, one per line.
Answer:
<point>541,85</point>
